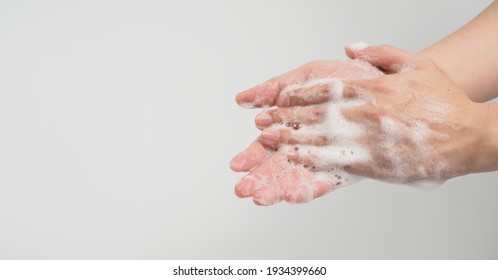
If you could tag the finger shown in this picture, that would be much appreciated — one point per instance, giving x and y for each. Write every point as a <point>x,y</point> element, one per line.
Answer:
<point>387,57</point>
<point>349,92</point>
<point>368,90</point>
<point>250,157</point>
<point>307,160</point>
<point>286,136</point>
<point>306,186</point>
<point>306,193</point>
<point>308,115</point>
<point>352,49</point>
<point>303,186</point>
<point>245,187</point>
<point>366,113</point>
<point>265,119</point>
<point>263,175</point>
<point>275,180</point>
<point>330,158</point>
<point>317,91</point>
<point>313,92</point>
<point>287,116</point>
<point>369,170</point>
<point>269,194</point>
<point>274,191</point>
<point>265,94</point>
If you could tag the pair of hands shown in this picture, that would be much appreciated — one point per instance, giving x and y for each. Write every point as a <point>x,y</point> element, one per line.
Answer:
<point>336,122</point>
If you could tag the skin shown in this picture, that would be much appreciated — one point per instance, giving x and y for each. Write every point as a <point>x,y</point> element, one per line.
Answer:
<point>449,72</point>
<point>405,97</point>
<point>264,163</point>
<point>469,57</point>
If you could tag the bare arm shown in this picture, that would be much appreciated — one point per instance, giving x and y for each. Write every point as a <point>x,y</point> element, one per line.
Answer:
<point>470,55</point>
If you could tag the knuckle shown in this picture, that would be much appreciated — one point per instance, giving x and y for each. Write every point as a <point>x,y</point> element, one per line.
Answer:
<point>324,90</point>
<point>285,136</point>
<point>378,112</point>
<point>295,100</point>
<point>320,141</point>
<point>349,92</point>
<point>317,114</point>
<point>384,86</point>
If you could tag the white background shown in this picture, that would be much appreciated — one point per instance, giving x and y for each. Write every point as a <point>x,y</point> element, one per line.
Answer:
<point>118,121</point>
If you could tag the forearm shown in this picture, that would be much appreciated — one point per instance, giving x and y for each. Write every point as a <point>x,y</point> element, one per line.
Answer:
<point>469,55</point>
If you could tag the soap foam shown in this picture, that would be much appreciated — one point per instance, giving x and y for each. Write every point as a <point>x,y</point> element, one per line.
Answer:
<point>329,161</point>
<point>345,149</point>
<point>400,68</point>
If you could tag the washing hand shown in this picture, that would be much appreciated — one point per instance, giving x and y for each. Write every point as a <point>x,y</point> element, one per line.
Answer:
<point>413,125</point>
<point>272,177</point>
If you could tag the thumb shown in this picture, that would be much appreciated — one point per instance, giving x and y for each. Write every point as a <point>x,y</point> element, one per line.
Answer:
<point>387,57</point>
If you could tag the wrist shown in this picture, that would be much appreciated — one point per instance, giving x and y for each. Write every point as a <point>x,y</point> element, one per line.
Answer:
<point>486,156</point>
<point>440,54</point>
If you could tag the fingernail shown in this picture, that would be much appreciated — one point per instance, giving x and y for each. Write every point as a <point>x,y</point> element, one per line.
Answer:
<point>264,119</point>
<point>358,46</point>
<point>270,134</point>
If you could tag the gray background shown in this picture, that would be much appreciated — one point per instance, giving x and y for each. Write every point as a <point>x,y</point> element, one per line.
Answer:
<point>118,121</point>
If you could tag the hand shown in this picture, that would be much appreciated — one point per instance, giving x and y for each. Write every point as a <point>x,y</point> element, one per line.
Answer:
<point>272,178</point>
<point>411,126</point>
